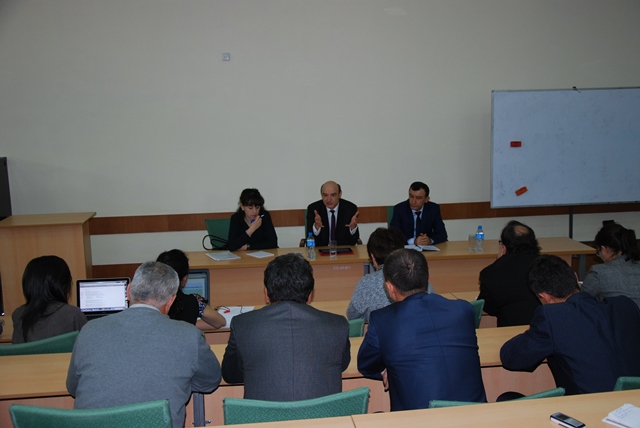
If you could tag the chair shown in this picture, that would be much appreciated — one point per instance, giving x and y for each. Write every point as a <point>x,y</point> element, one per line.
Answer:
<point>478,306</point>
<point>556,392</point>
<point>217,232</point>
<point>243,411</point>
<point>627,382</point>
<point>356,327</point>
<point>153,414</point>
<point>51,345</point>
<point>389,215</point>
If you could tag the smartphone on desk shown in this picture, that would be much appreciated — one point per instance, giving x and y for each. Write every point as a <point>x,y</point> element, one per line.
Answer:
<point>566,421</point>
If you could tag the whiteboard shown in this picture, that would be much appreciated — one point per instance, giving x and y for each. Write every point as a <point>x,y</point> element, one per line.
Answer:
<point>565,147</point>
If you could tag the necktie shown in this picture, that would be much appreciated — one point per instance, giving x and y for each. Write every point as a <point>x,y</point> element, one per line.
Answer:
<point>418,224</point>
<point>332,230</point>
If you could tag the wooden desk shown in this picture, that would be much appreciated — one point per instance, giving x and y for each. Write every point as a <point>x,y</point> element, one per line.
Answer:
<point>25,237</point>
<point>341,422</point>
<point>41,379</point>
<point>453,268</point>
<point>588,408</point>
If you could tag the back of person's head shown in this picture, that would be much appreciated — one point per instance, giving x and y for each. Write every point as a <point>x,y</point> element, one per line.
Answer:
<point>619,239</point>
<point>289,278</point>
<point>178,260</point>
<point>154,283</point>
<point>45,280</point>
<point>383,242</point>
<point>552,275</point>
<point>417,185</point>
<point>519,238</point>
<point>407,270</point>
<point>251,198</point>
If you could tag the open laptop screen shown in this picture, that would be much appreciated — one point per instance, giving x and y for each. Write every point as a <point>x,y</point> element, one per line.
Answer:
<point>198,283</point>
<point>106,295</point>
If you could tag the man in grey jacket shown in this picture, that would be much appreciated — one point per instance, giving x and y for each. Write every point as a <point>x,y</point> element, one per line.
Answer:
<point>140,354</point>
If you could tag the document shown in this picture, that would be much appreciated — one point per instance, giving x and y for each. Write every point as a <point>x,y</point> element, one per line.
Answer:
<point>260,254</point>
<point>223,255</point>
<point>422,247</point>
<point>228,312</point>
<point>627,416</point>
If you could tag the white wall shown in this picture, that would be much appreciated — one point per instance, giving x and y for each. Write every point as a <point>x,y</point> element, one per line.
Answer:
<point>125,107</point>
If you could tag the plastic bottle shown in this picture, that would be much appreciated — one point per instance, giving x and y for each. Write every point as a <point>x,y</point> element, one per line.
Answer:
<point>479,239</point>
<point>311,247</point>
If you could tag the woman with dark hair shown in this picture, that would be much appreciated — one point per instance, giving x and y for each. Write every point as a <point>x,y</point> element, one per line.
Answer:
<point>619,275</point>
<point>46,284</point>
<point>251,227</point>
<point>188,307</point>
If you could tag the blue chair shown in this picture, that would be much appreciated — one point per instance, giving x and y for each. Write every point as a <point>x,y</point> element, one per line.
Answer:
<point>356,327</point>
<point>217,232</point>
<point>153,414</point>
<point>389,215</point>
<point>245,411</point>
<point>627,382</point>
<point>52,345</point>
<point>556,392</point>
<point>478,306</point>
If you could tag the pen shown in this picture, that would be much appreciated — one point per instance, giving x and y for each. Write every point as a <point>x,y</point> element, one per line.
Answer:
<point>253,219</point>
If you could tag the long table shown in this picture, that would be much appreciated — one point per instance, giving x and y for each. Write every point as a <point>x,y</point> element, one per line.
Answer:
<point>40,379</point>
<point>453,268</point>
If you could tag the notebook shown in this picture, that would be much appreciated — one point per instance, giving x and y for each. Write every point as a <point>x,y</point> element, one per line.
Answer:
<point>198,283</point>
<point>103,296</point>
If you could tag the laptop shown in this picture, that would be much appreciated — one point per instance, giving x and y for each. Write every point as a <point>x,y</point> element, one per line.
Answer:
<point>198,283</point>
<point>102,296</point>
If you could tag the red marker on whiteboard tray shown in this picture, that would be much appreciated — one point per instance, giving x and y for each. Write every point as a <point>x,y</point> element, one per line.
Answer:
<point>516,144</point>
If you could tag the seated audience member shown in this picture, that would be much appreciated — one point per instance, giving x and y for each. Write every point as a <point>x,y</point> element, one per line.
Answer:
<point>140,354</point>
<point>370,293</point>
<point>287,350</point>
<point>46,284</point>
<point>424,345</point>
<point>251,227</point>
<point>503,284</point>
<point>587,344</point>
<point>333,218</point>
<point>619,275</point>
<point>188,307</point>
<point>419,220</point>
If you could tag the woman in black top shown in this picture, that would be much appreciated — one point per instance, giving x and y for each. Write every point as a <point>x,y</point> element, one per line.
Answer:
<point>251,227</point>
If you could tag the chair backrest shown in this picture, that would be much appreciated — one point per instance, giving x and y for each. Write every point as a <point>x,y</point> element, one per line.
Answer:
<point>243,411</point>
<point>389,215</point>
<point>556,392</point>
<point>478,306</point>
<point>356,327</point>
<point>436,404</point>
<point>51,345</point>
<point>153,414</point>
<point>627,382</point>
<point>217,232</point>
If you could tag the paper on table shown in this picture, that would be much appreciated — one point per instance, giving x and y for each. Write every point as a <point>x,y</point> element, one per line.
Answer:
<point>627,416</point>
<point>228,312</point>
<point>422,247</point>
<point>223,255</point>
<point>260,254</point>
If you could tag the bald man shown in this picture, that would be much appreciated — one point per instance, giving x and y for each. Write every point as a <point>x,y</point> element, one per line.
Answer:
<point>333,218</point>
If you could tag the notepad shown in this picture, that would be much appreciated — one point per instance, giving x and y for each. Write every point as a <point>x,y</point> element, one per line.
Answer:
<point>422,247</point>
<point>627,416</point>
<point>223,255</point>
<point>260,254</point>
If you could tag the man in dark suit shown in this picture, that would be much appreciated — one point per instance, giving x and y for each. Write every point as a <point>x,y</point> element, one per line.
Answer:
<point>287,350</point>
<point>587,344</point>
<point>333,218</point>
<point>419,220</point>
<point>503,284</point>
<point>424,346</point>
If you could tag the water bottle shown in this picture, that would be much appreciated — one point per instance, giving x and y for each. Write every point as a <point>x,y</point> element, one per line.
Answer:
<point>479,239</point>
<point>311,246</point>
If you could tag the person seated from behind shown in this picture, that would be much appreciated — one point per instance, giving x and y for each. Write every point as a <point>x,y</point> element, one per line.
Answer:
<point>587,344</point>
<point>370,293</point>
<point>251,227</point>
<point>503,284</point>
<point>46,285</point>
<point>424,344</point>
<point>619,275</point>
<point>287,350</point>
<point>188,307</point>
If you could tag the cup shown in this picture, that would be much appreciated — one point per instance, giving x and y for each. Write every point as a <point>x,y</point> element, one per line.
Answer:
<point>472,242</point>
<point>333,249</point>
